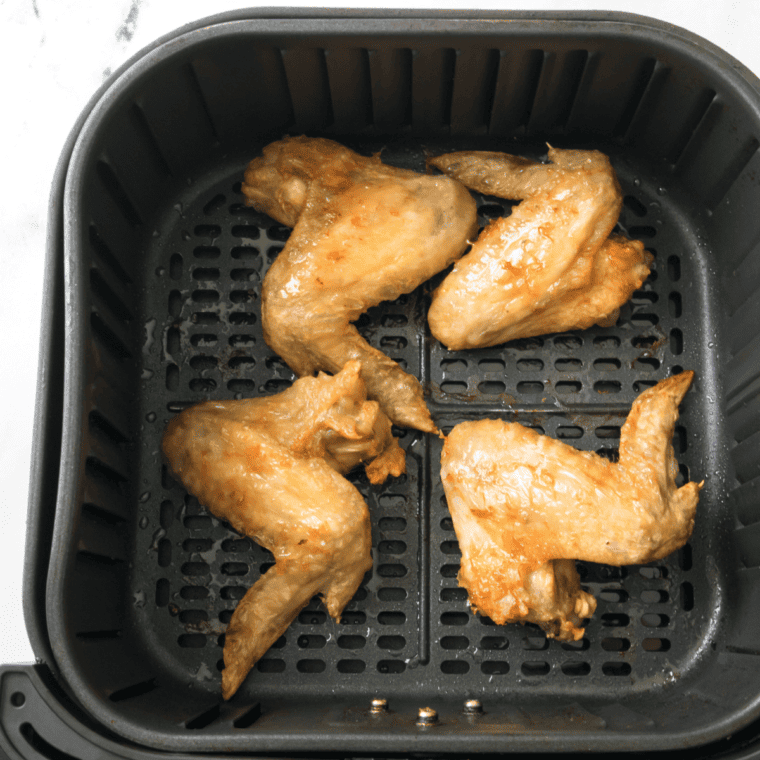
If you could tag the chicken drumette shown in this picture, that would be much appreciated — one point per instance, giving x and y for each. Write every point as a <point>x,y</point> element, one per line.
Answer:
<point>525,506</point>
<point>551,265</point>
<point>363,232</point>
<point>273,468</point>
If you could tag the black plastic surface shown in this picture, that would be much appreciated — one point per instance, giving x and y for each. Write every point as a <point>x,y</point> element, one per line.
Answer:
<point>164,265</point>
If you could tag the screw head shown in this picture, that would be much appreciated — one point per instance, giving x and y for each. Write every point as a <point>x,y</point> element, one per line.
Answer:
<point>379,706</point>
<point>473,707</point>
<point>426,716</point>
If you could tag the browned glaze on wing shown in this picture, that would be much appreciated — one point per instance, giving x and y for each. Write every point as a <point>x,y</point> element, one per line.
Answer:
<point>363,233</point>
<point>551,265</point>
<point>525,506</point>
<point>273,468</point>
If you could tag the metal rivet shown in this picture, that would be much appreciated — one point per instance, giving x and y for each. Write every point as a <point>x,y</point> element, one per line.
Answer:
<point>426,716</point>
<point>473,707</point>
<point>379,706</point>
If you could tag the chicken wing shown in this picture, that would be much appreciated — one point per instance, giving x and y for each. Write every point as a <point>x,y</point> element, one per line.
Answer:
<point>273,468</point>
<point>551,265</point>
<point>524,506</point>
<point>363,232</point>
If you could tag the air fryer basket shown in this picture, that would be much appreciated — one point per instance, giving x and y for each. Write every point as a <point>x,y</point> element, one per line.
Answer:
<point>163,267</point>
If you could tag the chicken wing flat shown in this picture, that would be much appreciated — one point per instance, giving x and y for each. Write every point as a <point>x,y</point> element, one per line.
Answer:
<point>273,468</point>
<point>363,233</point>
<point>551,265</point>
<point>524,506</point>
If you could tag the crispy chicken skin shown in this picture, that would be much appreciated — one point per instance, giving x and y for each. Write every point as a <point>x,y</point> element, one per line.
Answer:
<point>551,265</point>
<point>363,232</point>
<point>524,506</point>
<point>273,468</point>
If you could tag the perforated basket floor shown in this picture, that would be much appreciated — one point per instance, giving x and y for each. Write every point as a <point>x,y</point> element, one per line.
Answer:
<point>410,621</point>
<point>163,267</point>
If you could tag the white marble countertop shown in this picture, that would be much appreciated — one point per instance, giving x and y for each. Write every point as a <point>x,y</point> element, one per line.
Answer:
<point>55,54</point>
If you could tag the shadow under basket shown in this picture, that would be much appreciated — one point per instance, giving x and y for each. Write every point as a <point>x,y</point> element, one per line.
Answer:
<point>129,594</point>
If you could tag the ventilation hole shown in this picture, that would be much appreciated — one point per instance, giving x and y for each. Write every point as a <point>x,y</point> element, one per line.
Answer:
<point>192,640</point>
<point>530,365</point>
<point>234,568</point>
<point>107,256</point>
<point>686,596</point>
<point>569,342</point>
<point>614,595</point>
<point>388,524</point>
<point>453,387</point>
<point>393,343</point>
<point>245,253</point>
<point>607,386</point>
<point>164,552</point>
<point>109,338</point>
<point>202,384</point>
<point>494,642</point>
<point>535,643</point>
<point>492,387</point>
<point>455,642</point>
<point>197,522</point>
<point>242,296</point>
<point>455,667</point>
<point>608,431</point>
<point>526,344</point>
<point>450,571</point>
<point>205,273</point>
<point>655,645</point>
<point>569,431</point>
<point>203,340</point>
<point>654,620</point>
<point>176,265</point>
<point>576,646</point>
<point>391,547</point>
<point>204,719</point>
<point>641,319</point>
<point>131,692</point>
<point>206,253</point>
<point>494,668</point>
<point>674,268</point>
<point>237,363</point>
<point>205,318</point>
<point>311,642</point>
<point>616,669</point>
<point>248,231</point>
<point>351,666</point>
<point>568,386</point>
<point>685,557</point>
<point>455,618</point>
<point>233,593</point>
<point>453,595</point>
<point>162,592</point>
<point>350,642</point>
<point>447,524</point>
<point>391,594</point>
<point>208,230</point>
<point>391,618</point>
<point>644,297</point>
<point>310,666</point>
<point>273,251</point>
<point>615,620</point>
<point>205,296</point>
<point>244,274</point>
<point>277,385</point>
<point>646,364</point>
<point>278,232</point>
<point>530,387</point>
<point>391,643</point>
<point>607,365</point>
<point>249,718</point>
<point>642,231</point>
<point>240,545</point>
<point>676,342</point>
<point>202,363</point>
<point>107,295</point>
<point>568,365</point>
<point>241,385</point>
<point>225,616</point>
<point>607,342</point>
<point>535,668</point>
<point>674,305</point>
<point>193,617</point>
<point>576,668</point>
<point>641,385</point>
<point>194,593</point>
<point>450,547</point>
<point>312,617</point>
<point>391,667</point>
<point>273,665</point>
<point>654,596</point>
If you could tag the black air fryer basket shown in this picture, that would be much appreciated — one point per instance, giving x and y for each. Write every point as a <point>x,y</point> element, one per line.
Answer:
<point>155,270</point>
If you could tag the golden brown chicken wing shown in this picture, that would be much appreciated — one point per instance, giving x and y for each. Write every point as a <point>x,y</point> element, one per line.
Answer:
<point>363,233</point>
<point>524,506</point>
<point>548,267</point>
<point>273,468</point>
